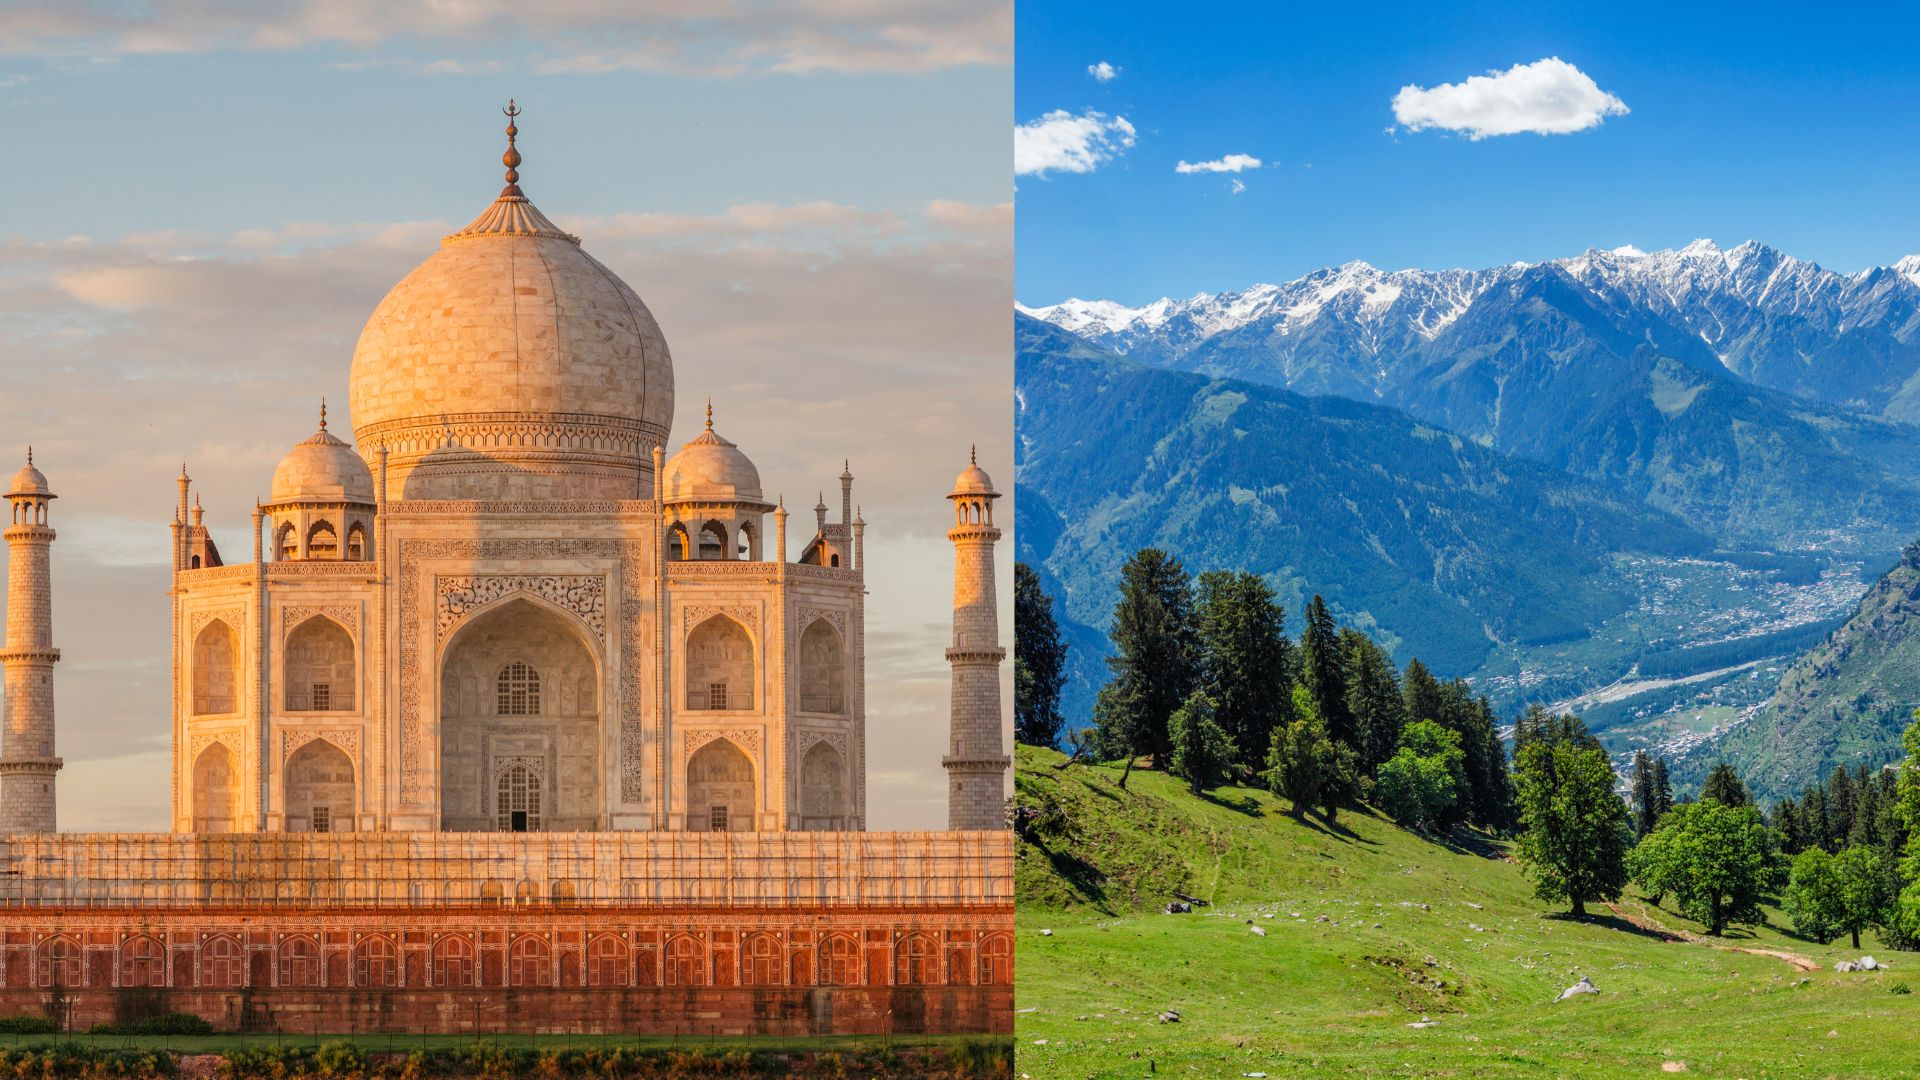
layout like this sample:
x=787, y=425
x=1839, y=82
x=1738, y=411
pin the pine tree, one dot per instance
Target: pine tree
x=1154, y=661
x=1201, y=750
x=1300, y=756
x=1246, y=662
x=1422, y=692
x=1662, y=789
x=1643, y=798
x=1039, y=661
x=1724, y=787
x=1373, y=700
x=1576, y=832
x=1324, y=671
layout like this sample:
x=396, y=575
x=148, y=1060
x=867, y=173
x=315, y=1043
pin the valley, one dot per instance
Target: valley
x=1639, y=485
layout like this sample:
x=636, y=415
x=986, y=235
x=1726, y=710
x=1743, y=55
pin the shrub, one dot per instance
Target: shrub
x=23, y=1024
x=172, y=1023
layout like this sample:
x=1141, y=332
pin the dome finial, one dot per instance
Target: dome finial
x=973, y=453
x=323, y=414
x=511, y=159
x=709, y=413
x=29, y=454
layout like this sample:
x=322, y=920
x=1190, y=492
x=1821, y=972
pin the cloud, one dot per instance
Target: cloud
x=1237, y=187
x=1063, y=142
x=216, y=348
x=719, y=38
x=1103, y=71
x=1546, y=97
x=1232, y=163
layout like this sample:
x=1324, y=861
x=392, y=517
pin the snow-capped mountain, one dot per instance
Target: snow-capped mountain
x=1772, y=319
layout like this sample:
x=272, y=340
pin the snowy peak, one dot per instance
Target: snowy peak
x=1714, y=292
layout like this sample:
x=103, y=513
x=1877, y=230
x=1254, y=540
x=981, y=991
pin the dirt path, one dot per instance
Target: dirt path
x=1653, y=926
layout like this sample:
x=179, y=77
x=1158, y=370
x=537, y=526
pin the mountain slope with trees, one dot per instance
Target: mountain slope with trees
x=1441, y=545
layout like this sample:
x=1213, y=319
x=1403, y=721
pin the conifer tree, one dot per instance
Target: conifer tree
x=1154, y=657
x=1643, y=799
x=1324, y=671
x=1039, y=662
x=1724, y=787
x=1301, y=755
x=1373, y=700
x=1201, y=750
x=1662, y=789
x=1246, y=660
x=1422, y=692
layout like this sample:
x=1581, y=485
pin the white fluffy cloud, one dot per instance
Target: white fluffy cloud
x=1063, y=142
x=1229, y=164
x=1546, y=97
x=718, y=38
x=1103, y=71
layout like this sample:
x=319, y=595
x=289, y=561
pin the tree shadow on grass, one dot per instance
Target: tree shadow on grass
x=1332, y=828
x=1245, y=804
x=1083, y=876
x=1609, y=921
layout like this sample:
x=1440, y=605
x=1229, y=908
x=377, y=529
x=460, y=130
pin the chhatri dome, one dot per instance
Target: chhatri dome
x=709, y=469
x=29, y=480
x=322, y=468
x=510, y=365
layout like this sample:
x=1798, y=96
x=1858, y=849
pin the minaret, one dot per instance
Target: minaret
x=977, y=762
x=27, y=764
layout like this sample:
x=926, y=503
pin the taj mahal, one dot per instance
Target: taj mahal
x=509, y=647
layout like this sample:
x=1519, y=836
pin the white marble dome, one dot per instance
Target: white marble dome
x=511, y=364
x=973, y=480
x=709, y=469
x=322, y=469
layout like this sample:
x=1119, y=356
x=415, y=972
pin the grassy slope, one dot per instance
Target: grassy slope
x=1315, y=998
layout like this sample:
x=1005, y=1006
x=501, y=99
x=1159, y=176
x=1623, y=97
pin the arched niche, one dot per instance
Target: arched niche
x=823, y=669
x=216, y=670
x=319, y=785
x=720, y=789
x=215, y=787
x=520, y=688
x=823, y=788
x=720, y=666
x=321, y=673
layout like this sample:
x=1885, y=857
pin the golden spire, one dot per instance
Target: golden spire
x=709, y=413
x=511, y=159
x=323, y=414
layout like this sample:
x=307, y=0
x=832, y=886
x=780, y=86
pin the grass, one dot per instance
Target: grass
x=1370, y=929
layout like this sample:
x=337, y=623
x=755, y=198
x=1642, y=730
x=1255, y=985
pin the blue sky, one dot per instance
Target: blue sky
x=206, y=201
x=1790, y=125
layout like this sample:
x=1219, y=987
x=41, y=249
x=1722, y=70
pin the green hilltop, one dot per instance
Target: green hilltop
x=1370, y=930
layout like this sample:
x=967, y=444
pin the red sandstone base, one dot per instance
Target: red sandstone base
x=516, y=969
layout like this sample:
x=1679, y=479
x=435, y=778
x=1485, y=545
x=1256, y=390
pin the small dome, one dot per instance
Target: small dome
x=30, y=481
x=711, y=469
x=973, y=480
x=322, y=469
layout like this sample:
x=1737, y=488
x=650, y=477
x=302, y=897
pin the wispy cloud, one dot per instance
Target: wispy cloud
x=719, y=38
x=1063, y=142
x=1232, y=163
x=1103, y=71
x=1546, y=97
x=1237, y=186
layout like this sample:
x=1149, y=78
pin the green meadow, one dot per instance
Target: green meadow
x=1389, y=953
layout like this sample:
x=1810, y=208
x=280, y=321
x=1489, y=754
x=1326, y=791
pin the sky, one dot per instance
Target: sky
x=207, y=201
x=1380, y=134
